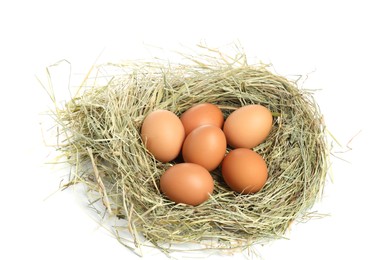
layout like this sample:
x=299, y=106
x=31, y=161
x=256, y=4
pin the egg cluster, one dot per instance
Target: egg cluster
x=201, y=136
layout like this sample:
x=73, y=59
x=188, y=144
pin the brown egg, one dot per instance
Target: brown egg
x=202, y=114
x=163, y=135
x=244, y=171
x=206, y=146
x=248, y=126
x=187, y=183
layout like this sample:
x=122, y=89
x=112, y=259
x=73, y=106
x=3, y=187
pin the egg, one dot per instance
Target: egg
x=202, y=114
x=163, y=134
x=206, y=146
x=187, y=183
x=244, y=171
x=248, y=126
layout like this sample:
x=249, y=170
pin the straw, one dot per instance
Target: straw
x=100, y=127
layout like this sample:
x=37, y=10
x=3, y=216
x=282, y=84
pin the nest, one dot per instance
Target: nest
x=101, y=129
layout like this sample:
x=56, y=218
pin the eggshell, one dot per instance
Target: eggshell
x=163, y=135
x=248, y=126
x=206, y=146
x=187, y=183
x=202, y=114
x=244, y=171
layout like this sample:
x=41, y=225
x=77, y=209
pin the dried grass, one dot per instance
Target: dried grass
x=100, y=128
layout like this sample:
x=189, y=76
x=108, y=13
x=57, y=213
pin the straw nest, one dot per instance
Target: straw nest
x=101, y=130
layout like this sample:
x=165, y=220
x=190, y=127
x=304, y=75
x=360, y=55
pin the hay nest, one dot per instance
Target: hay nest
x=101, y=126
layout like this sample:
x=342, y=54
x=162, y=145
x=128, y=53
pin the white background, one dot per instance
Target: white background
x=344, y=46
